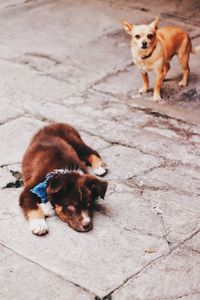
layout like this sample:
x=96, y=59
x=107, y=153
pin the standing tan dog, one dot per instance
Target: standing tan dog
x=152, y=50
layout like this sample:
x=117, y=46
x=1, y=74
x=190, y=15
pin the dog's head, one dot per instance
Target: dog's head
x=73, y=196
x=143, y=36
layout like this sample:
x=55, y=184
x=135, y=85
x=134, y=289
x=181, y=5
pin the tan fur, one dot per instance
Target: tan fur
x=154, y=54
x=95, y=161
x=59, y=212
x=35, y=214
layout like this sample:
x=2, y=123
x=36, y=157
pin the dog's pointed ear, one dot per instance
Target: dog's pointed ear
x=54, y=185
x=127, y=26
x=154, y=24
x=97, y=186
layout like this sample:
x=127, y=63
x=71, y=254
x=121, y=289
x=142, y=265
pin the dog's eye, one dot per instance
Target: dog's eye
x=71, y=208
x=149, y=36
x=137, y=36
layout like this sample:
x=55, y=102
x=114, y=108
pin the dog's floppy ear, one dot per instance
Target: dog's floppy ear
x=54, y=185
x=97, y=186
x=127, y=26
x=154, y=24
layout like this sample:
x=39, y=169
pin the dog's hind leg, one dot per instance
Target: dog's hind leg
x=97, y=166
x=184, y=61
x=90, y=157
x=33, y=212
x=166, y=69
x=184, y=55
x=84, y=152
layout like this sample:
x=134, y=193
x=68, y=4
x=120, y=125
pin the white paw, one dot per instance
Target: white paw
x=100, y=171
x=142, y=90
x=182, y=83
x=47, y=209
x=38, y=226
x=157, y=98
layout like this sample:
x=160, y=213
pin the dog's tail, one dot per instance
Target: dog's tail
x=195, y=50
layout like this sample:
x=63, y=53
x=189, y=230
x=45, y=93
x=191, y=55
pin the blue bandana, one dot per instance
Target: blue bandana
x=40, y=189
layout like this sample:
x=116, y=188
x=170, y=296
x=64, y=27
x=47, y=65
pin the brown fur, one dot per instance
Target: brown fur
x=59, y=146
x=152, y=50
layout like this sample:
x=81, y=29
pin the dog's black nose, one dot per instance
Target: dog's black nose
x=144, y=44
x=88, y=226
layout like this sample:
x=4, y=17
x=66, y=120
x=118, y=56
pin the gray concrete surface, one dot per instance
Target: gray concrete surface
x=70, y=61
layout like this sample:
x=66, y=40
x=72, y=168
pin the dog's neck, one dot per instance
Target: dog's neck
x=40, y=189
x=149, y=54
x=64, y=171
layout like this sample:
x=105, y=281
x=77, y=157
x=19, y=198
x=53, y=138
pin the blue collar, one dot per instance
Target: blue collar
x=40, y=189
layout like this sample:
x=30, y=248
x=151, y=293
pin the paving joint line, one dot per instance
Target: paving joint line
x=12, y=119
x=153, y=262
x=48, y=270
x=115, y=143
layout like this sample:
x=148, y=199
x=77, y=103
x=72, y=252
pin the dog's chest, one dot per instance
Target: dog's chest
x=143, y=64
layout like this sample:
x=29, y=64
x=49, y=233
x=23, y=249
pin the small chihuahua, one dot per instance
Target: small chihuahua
x=152, y=50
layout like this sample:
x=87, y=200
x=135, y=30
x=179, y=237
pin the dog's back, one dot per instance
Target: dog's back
x=172, y=39
x=48, y=150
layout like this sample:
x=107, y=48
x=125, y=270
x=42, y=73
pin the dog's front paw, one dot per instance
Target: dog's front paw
x=157, y=98
x=143, y=90
x=182, y=83
x=38, y=226
x=47, y=209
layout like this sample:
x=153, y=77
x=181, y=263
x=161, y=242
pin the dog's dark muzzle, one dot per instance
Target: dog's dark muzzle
x=144, y=45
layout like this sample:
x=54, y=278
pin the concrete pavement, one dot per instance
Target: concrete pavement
x=70, y=61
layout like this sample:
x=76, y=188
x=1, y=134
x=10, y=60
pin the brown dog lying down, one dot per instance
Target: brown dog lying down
x=55, y=174
x=153, y=48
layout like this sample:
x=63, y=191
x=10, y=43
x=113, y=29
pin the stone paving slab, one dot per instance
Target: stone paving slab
x=5, y=177
x=55, y=112
x=179, y=212
x=37, y=85
x=89, y=267
x=11, y=210
x=94, y=141
x=15, y=137
x=180, y=178
x=170, y=278
x=170, y=149
x=194, y=243
x=125, y=162
x=29, y=280
x=8, y=113
x=137, y=214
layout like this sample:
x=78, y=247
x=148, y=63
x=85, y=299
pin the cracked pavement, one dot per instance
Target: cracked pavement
x=70, y=61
